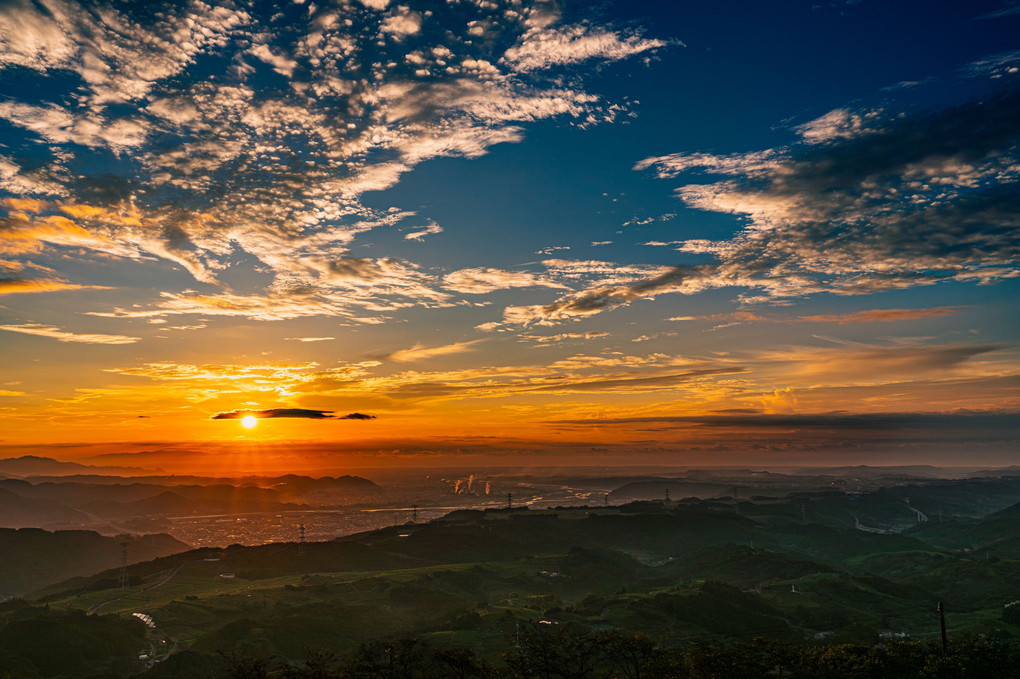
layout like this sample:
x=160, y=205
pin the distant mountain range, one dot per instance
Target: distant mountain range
x=31, y=465
x=96, y=501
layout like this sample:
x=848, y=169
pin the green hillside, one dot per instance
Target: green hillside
x=679, y=573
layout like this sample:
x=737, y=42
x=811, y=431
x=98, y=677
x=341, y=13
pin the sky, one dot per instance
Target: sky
x=510, y=232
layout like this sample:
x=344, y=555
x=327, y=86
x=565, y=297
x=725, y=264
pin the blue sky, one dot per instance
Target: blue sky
x=503, y=219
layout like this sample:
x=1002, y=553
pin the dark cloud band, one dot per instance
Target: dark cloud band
x=302, y=413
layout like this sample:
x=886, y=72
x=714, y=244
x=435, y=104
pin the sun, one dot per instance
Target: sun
x=249, y=421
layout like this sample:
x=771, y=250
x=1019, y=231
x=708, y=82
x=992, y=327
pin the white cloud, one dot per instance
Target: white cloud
x=543, y=46
x=481, y=280
x=280, y=63
x=402, y=22
x=839, y=123
x=735, y=164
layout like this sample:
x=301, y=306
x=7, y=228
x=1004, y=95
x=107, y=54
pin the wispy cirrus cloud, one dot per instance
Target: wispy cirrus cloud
x=995, y=424
x=564, y=337
x=881, y=315
x=601, y=297
x=420, y=352
x=12, y=286
x=843, y=362
x=865, y=316
x=56, y=333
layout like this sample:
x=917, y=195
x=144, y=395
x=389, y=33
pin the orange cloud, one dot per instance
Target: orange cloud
x=11, y=286
x=80, y=211
x=64, y=336
x=420, y=352
x=24, y=204
x=881, y=315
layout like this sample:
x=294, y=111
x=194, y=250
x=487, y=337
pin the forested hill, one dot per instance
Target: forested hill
x=817, y=569
x=33, y=558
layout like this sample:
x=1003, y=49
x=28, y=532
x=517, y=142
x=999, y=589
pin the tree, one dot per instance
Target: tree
x=563, y=653
x=460, y=663
x=395, y=659
x=318, y=665
x=246, y=667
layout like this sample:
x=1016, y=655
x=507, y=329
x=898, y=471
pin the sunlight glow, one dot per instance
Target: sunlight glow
x=249, y=421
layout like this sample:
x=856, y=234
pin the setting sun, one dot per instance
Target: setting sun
x=249, y=421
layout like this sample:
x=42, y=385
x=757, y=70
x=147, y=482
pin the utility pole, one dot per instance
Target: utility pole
x=942, y=623
x=414, y=513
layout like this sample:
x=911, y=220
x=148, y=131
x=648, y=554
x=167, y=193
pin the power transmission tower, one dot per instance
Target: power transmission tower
x=414, y=513
x=301, y=538
x=122, y=579
x=509, y=500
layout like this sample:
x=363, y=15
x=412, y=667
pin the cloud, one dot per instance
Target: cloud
x=838, y=124
x=999, y=13
x=642, y=383
x=965, y=423
x=599, y=298
x=280, y=63
x=779, y=401
x=564, y=337
x=881, y=315
x=375, y=381
x=731, y=317
x=220, y=135
x=402, y=22
x=866, y=316
x=420, y=352
x=10, y=286
x=544, y=47
x=873, y=200
x=304, y=413
x=64, y=336
x=482, y=280
x=856, y=363
x=754, y=163
x=427, y=231
x=310, y=339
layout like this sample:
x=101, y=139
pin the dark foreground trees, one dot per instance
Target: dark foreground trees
x=577, y=653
